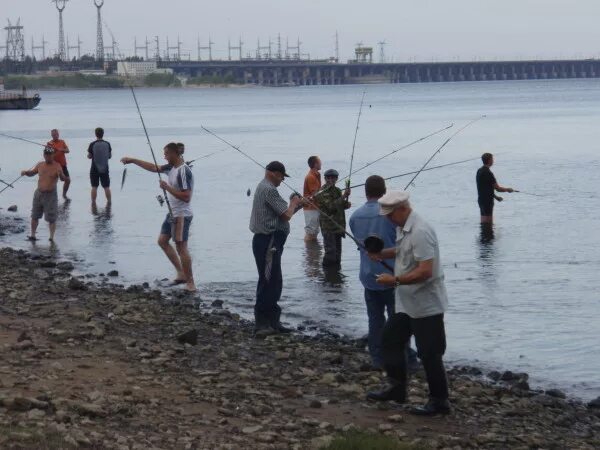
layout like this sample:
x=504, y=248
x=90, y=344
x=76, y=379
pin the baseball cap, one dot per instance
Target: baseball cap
x=48, y=150
x=331, y=173
x=276, y=166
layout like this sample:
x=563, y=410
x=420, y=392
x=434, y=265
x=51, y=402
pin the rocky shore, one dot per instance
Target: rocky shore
x=97, y=365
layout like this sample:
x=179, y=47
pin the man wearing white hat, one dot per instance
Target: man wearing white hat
x=421, y=301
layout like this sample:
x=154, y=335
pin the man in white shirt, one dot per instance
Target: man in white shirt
x=421, y=301
x=179, y=187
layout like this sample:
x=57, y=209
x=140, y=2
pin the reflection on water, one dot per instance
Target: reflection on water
x=486, y=254
x=103, y=227
x=312, y=259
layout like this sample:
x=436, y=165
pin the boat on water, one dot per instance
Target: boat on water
x=18, y=99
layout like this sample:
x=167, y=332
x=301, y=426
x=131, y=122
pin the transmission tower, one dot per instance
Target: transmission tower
x=382, y=44
x=15, y=41
x=41, y=47
x=259, y=49
x=297, y=55
x=157, y=46
x=99, y=38
x=137, y=47
x=206, y=47
x=177, y=49
x=60, y=6
x=237, y=47
x=337, y=47
x=112, y=49
x=74, y=47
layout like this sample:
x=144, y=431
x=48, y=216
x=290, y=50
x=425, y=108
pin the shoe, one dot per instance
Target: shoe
x=395, y=393
x=432, y=408
x=283, y=329
x=261, y=333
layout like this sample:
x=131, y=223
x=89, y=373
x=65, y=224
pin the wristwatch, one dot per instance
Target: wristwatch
x=397, y=283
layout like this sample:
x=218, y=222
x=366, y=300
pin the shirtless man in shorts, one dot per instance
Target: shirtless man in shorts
x=45, y=198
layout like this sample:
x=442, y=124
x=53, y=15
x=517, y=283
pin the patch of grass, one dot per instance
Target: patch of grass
x=361, y=440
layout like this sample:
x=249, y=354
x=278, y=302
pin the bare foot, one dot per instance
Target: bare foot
x=191, y=287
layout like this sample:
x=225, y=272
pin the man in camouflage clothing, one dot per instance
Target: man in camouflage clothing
x=333, y=203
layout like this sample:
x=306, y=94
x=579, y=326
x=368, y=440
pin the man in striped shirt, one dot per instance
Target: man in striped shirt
x=269, y=221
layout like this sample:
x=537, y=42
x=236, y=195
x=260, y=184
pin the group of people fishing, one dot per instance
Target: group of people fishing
x=400, y=267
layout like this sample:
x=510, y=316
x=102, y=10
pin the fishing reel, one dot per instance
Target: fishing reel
x=161, y=200
x=292, y=196
x=374, y=244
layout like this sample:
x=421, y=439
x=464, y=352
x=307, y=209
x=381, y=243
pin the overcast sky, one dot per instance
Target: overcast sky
x=422, y=29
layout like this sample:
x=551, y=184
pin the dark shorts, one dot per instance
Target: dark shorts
x=99, y=178
x=45, y=204
x=66, y=171
x=178, y=229
x=486, y=207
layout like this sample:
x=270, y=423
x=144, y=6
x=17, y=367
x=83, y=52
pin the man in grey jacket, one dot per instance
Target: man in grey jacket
x=100, y=152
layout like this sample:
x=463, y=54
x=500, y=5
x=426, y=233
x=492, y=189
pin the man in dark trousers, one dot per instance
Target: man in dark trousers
x=269, y=221
x=421, y=301
x=486, y=187
x=100, y=152
x=333, y=203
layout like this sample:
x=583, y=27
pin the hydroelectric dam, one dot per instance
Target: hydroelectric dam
x=301, y=73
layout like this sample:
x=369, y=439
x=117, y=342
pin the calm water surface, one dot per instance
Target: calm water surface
x=525, y=300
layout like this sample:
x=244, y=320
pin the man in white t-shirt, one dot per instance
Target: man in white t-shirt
x=421, y=301
x=179, y=188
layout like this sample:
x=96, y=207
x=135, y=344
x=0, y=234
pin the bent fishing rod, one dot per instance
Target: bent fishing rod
x=295, y=193
x=406, y=174
x=440, y=148
x=362, y=102
x=17, y=138
x=404, y=147
x=137, y=105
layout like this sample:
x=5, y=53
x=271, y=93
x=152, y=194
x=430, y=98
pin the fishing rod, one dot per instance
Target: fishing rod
x=529, y=193
x=440, y=148
x=137, y=105
x=404, y=147
x=425, y=170
x=362, y=102
x=295, y=193
x=10, y=185
x=189, y=163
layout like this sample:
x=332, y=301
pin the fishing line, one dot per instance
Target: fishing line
x=189, y=163
x=295, y=192
x=398, y=150
x=362, y=102
x=440, y=149
x=137, y=105
x=425, y=170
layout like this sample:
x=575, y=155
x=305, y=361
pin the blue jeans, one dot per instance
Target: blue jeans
x=267, y=249
x=377, y=303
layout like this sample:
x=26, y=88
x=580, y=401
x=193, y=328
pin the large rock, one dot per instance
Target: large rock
x=594, y=404
x=189, y=337
x=12, y=208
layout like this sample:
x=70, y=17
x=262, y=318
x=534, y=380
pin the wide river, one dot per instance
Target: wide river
x=526, y=300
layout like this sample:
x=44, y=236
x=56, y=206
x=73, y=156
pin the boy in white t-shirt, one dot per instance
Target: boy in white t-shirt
x=179, y=188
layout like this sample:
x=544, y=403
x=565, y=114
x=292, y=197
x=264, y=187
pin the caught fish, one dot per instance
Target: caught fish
x=123, y=177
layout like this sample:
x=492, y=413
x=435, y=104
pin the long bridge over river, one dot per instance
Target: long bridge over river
x=300, y=73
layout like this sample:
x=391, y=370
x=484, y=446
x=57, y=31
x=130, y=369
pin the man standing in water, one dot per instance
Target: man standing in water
x=269, y=221
x=486, y=187
x=100, y=152
x=421, y=301
x=60, y=150
x=333, y=203
x=45, y=199
x=312, y=184
x=179, y=187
